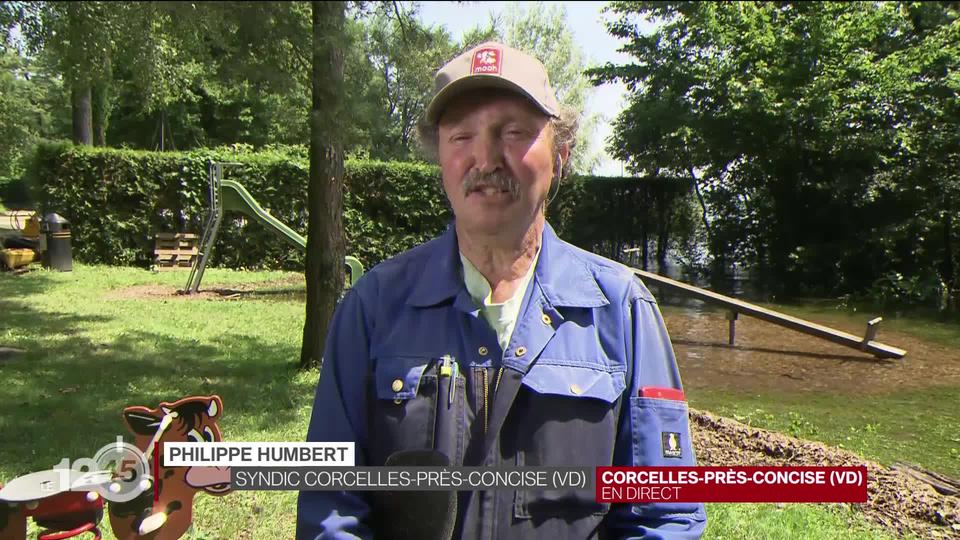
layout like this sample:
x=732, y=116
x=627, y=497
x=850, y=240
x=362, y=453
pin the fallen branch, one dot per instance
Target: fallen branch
x=943, y=484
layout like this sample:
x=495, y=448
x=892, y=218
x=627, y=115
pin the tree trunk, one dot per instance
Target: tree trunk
x=703, y=204
x=949, y=272
x=645, y=226
x=82, y=113
x=941, y=483
x=100, y=97
x=663, y=231
x=325, y=242
x=99, y=115
x=168, y=131
x=716, y=252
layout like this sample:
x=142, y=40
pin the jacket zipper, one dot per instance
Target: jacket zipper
x=486, y=401
x=486, y=396
x=486, y=426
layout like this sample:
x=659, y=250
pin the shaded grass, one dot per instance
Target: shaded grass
x=88, y=357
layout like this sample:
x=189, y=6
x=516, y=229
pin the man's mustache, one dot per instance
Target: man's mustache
x=498, y=179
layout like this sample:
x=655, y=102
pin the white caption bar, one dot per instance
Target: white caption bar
x=258, y=454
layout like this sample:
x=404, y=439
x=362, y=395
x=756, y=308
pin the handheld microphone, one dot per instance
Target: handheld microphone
x=420, y=515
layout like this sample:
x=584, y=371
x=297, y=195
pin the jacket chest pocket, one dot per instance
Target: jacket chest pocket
x=567, y=416
x=410, y=408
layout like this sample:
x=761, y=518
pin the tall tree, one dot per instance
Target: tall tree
x=389, y=76
x=32, y=99
x=80, y=37
x=325, y=243
x=220, y=72
x=810, y=128
x=22, y=116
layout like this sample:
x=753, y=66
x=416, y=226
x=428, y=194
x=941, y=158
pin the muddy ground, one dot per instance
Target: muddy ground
x=768, y=358
x=290, y=286
x=896, y=501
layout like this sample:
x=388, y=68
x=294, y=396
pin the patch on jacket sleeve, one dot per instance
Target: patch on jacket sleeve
x=670, y=443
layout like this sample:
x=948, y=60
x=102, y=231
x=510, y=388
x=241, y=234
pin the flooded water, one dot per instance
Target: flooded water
x=767, y=357
x=737, y=284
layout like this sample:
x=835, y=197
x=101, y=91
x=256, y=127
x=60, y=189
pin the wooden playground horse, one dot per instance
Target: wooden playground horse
x=164, y=511
x=192, y=419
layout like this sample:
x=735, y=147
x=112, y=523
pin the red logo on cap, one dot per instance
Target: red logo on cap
x=486, y=62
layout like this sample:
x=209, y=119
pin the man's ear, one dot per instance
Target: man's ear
x=565, y=155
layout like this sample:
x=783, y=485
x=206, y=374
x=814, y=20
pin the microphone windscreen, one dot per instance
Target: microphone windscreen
x=410, y=515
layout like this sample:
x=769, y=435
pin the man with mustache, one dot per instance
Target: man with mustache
x=498, y=344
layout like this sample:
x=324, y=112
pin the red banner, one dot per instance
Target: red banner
x=731, y=484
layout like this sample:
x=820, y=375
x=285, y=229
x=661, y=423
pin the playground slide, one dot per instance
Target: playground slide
x=237, y=198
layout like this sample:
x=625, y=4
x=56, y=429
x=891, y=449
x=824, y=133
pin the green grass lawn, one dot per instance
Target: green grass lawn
x=88, y=355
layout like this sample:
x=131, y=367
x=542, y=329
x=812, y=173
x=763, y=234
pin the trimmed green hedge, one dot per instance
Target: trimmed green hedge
x=117, y=199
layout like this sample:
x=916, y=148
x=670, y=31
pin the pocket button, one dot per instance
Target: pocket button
x=397, y=385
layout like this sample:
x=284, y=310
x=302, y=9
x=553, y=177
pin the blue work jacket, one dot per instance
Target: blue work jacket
x=565, y=392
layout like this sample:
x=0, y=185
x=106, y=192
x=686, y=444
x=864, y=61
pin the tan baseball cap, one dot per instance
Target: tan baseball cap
x=493, y=65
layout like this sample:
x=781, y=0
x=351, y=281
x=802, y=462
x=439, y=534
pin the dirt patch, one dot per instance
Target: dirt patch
x=768, y=358
x=896, y=501
x=292, y=285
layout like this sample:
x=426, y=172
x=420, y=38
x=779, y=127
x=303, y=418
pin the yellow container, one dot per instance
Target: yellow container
x=15, y=258
x=32, y=227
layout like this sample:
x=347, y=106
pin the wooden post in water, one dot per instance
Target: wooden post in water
x=866, y=343
x=732, y=317
x=872, y=326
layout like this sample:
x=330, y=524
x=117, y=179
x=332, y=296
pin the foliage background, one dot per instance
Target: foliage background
x=822, y=136
x=117, y=200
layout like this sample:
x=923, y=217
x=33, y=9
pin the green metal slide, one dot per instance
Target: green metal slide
x=237, y=198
